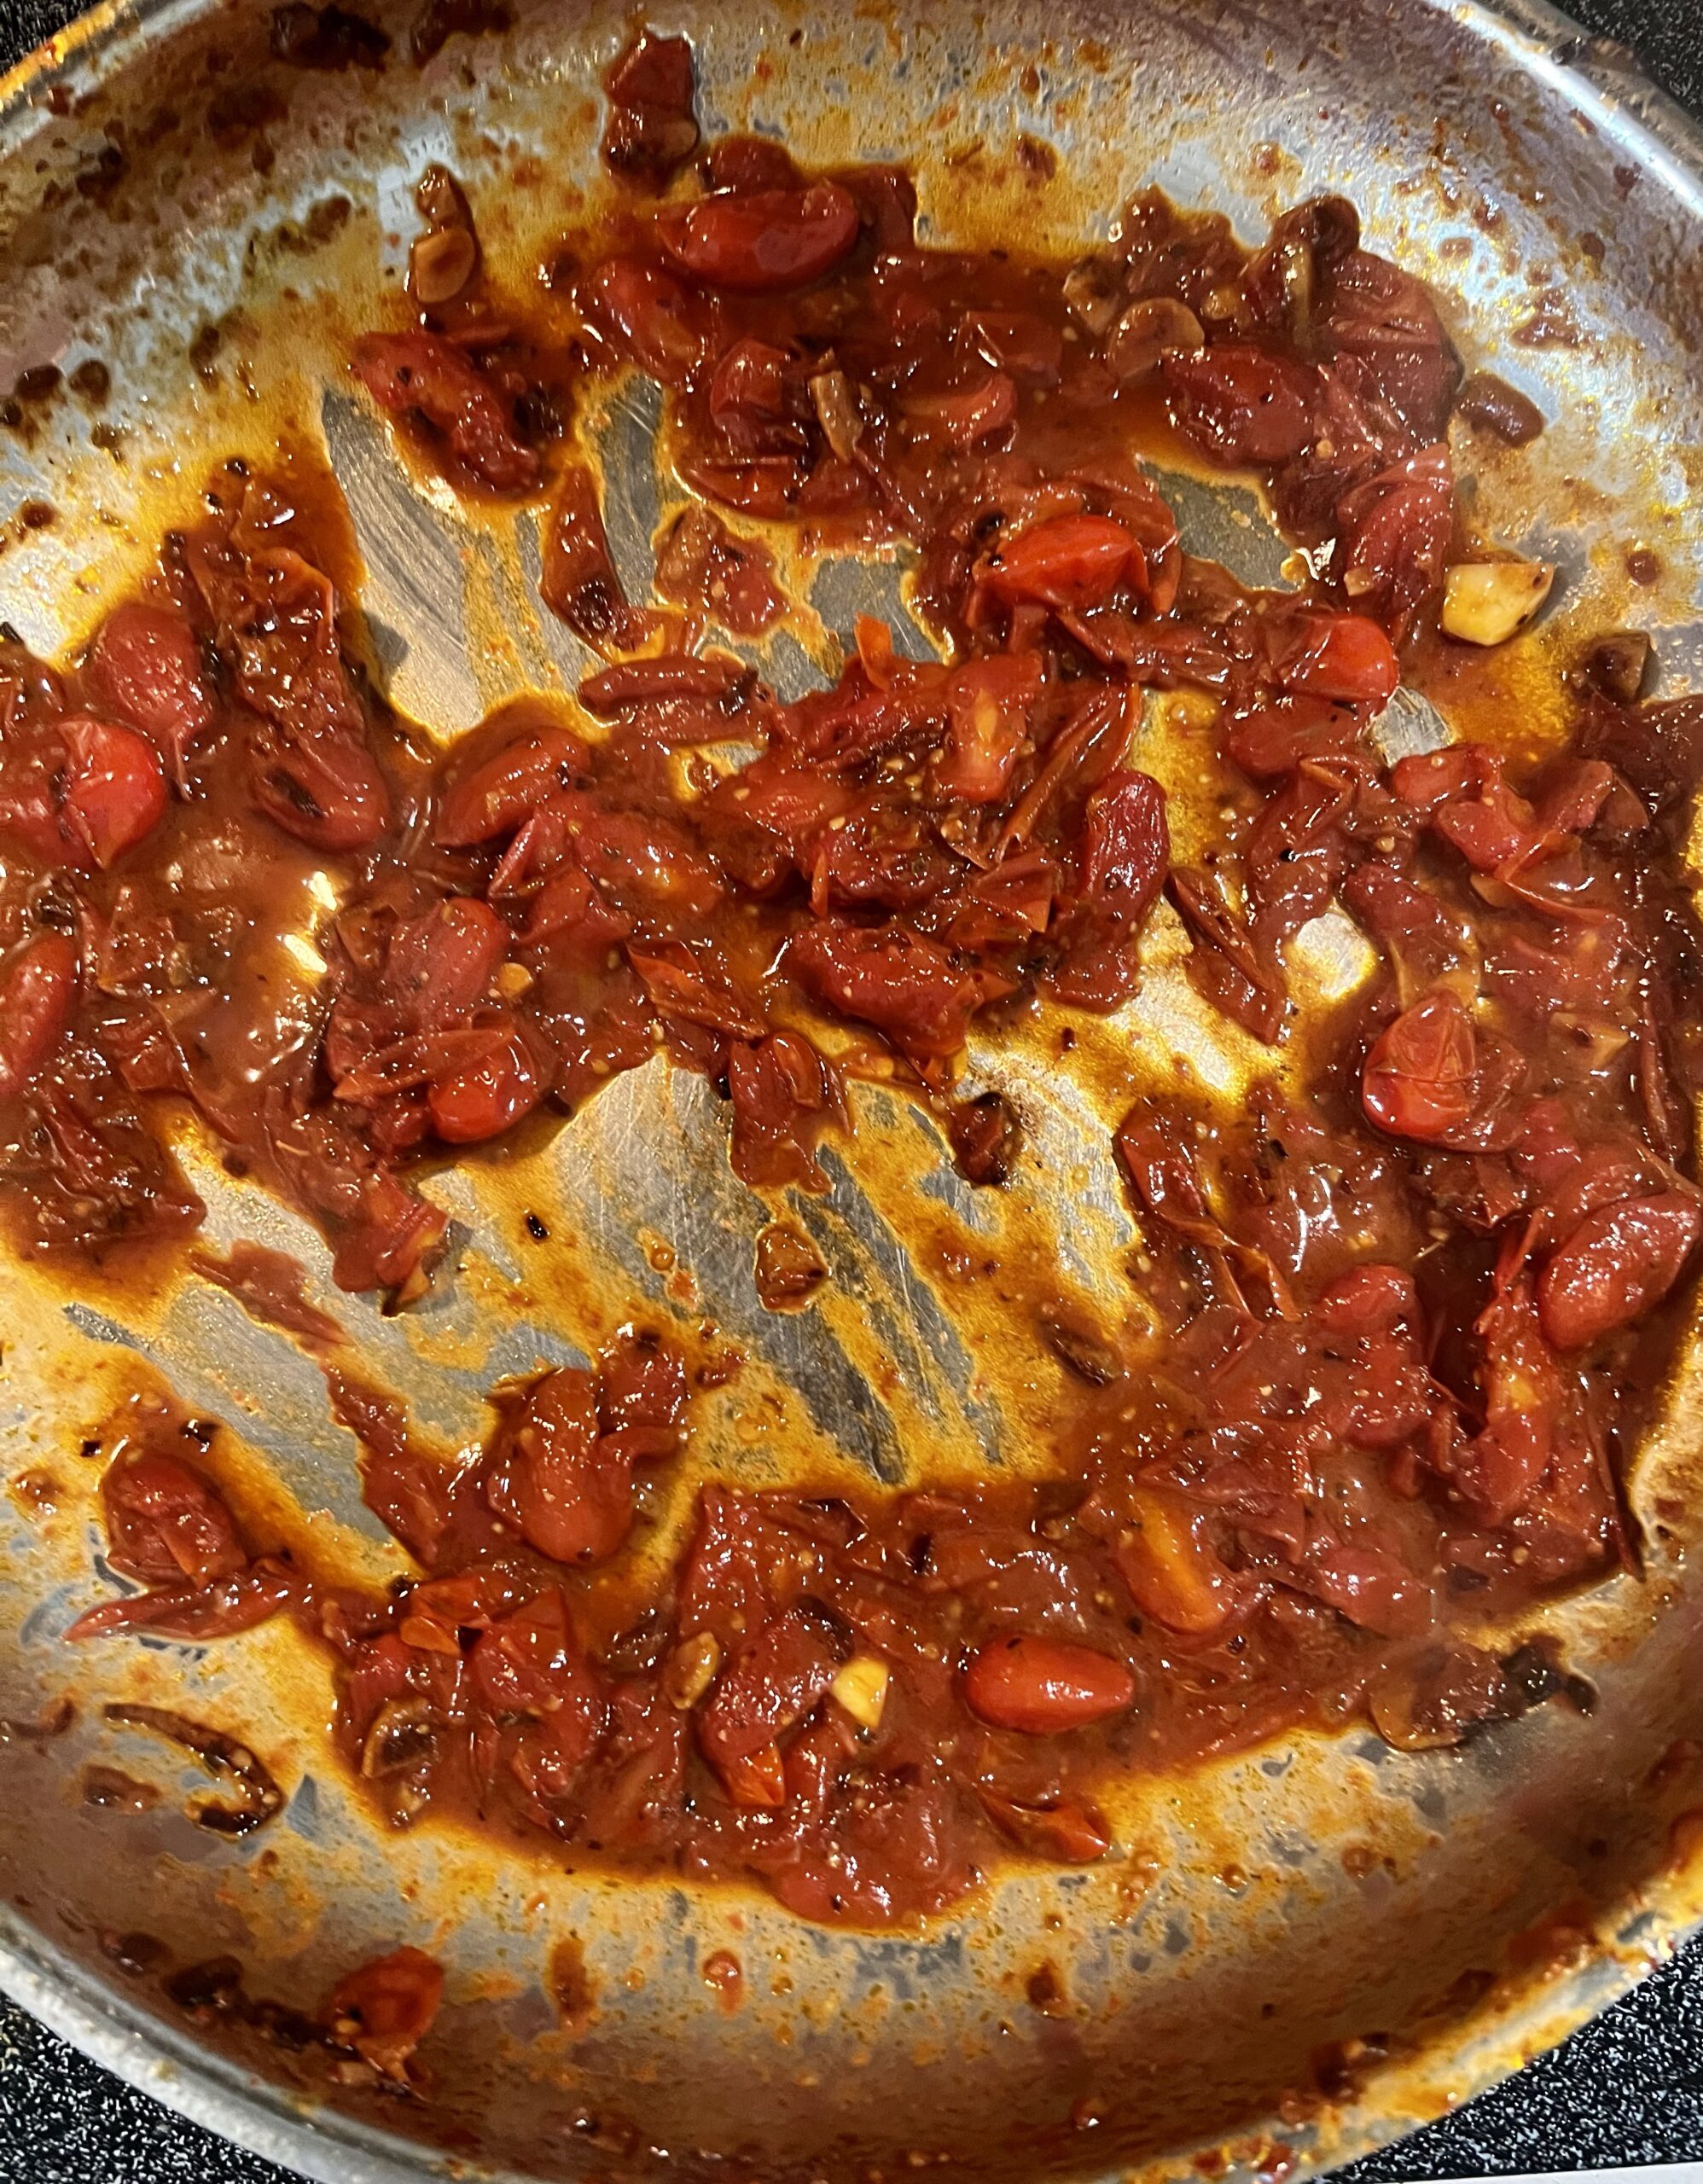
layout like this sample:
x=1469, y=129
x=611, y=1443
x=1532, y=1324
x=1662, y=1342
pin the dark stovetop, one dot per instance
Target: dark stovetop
x=1628, y=2088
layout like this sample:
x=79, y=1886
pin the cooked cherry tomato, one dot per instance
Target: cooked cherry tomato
x=1422, y=1074
x=1240, y=403
x=38, y=1000
x=326, y=790
x=441, y=964
x=770, y=239
x=770, y=1685
x=1619, y=1263
x=165, y=1525
x=565, y=1482
x=892, y=978
x=423, y=374
x=490, y=1091
x=386, y=2008
x=1073, y=561
x=648, y=319
x=988, y=705
x=114, y=787
x=1043, y=1686
x=505, y=789
x=146, y=666
x=1345, y=657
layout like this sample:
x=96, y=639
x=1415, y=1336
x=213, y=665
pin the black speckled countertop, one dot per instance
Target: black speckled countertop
x=1627, y=2089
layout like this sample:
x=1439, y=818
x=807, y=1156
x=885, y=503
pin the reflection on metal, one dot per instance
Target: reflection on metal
x=1449, y=1911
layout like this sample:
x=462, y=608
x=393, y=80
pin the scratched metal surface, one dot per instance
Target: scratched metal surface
x=1190, y=2000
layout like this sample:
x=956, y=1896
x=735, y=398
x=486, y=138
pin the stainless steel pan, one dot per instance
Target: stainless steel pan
x=1304, y=1950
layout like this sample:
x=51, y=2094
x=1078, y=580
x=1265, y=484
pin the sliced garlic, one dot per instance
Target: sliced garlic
x=1148, y=331
x=861, y=1689
x=691, y=1669
x=1484, y=602
x=440, y=264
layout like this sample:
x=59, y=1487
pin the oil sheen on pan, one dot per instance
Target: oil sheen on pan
x=1258, y=1008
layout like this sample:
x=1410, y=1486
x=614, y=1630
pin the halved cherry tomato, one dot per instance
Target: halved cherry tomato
x=566, y=1483
x=1042, y=1685
x=988, y=705
x=489, y=1092
x=1421, y=1072
x=772, y=239
x=37, y=999
x=1346, y=657
x=649, y=320
x=1073, y=561
x=441, y=966
x=115, y=788
x=1618, y=1262
x=165, y=1525
x=507, y=787
x=146, y=666
x=1240, y=403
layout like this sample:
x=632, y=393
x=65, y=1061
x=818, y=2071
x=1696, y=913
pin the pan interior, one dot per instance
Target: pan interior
x=1299, y=1949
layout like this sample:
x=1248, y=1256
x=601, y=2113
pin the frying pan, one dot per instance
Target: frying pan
x=1294, y=1952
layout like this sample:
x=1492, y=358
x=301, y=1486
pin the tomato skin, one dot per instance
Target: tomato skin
x=1041, y=1685
x=1420, y=1075
x=1240, y=404
x=490, y=1093
x=37, y=1000
x=1344, y=657
x=964, y=415
x=1069, y=561
x=772, y=239
x=146, y=666
x=1620, y=1261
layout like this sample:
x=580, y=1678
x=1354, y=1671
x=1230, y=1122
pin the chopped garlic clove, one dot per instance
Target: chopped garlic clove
x=861, y=1689
x=691, y=1669
x=1484, y=602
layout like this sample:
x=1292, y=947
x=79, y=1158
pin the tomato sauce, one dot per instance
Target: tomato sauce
x=1396, y=1312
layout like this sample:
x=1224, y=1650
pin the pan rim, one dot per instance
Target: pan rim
x=1604, y=82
